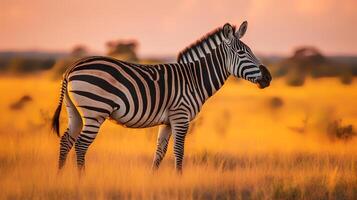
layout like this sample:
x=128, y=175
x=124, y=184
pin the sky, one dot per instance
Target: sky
x=164, y=27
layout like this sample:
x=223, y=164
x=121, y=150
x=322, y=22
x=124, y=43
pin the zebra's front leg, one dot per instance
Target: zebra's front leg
x=179, y=126
x=162, y=142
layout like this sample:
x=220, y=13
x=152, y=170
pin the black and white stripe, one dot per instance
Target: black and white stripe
x=138, y=96
x=240, y=60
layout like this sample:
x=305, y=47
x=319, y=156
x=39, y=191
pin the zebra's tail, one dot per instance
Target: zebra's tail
x=55, y=119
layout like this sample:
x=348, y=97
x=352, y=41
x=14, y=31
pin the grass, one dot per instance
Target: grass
x=239, y=148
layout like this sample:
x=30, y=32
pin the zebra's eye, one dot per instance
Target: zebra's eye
x=241, y=52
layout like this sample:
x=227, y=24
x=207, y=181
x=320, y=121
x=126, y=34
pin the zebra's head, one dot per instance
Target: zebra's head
x=241, y=62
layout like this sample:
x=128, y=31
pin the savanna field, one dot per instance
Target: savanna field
x=278, y=143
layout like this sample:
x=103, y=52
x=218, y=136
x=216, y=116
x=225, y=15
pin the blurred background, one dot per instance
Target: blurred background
x=296, y=38
x=293, y=140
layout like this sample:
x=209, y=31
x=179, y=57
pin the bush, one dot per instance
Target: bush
x=18, y=105
x=336, y=130
x=295, y=81
x=346, y=78
x=276, y=102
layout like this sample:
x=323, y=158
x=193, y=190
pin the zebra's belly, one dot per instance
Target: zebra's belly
x=139, y=120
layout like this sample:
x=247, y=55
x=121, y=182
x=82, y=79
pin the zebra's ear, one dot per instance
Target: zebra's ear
x=228, y=31
x=242, y=29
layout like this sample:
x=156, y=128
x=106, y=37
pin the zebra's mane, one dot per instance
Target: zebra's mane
x=200, y=42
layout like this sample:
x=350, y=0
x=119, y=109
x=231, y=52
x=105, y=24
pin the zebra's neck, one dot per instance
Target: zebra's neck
x=202, y=47
x=206, y=59
x=209, y=72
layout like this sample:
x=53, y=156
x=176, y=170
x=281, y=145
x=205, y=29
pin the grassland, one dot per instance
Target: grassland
x=243, y=145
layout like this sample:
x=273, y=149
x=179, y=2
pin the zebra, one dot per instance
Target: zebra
x=137, y=96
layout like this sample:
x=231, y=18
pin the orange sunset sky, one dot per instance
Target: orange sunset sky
x=165, y=27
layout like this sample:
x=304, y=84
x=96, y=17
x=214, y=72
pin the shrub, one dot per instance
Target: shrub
x=346, y=78
x=336, y=130
x=21, y=102
x=276, y=102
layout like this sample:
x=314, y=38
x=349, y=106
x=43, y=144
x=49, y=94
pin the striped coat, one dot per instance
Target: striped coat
x=138, y=96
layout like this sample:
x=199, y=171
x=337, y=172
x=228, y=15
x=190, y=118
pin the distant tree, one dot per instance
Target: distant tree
x=307, y=58
x=62, y=64
x=310, y=54
x=79, y=51
x=28, y=65
x=309, y=61
x=304, y=61
x=123, y=50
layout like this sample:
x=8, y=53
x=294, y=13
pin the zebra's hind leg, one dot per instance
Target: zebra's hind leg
x=65, y=146
x=87, y=136
x=71, y=133
x=162, y=142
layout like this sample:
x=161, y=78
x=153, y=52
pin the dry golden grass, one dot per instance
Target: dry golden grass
x=240, y=147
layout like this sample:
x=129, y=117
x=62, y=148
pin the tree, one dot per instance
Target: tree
x=61, y=65
x=123, y=50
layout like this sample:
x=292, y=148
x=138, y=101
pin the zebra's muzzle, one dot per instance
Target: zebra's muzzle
x=264, y=81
